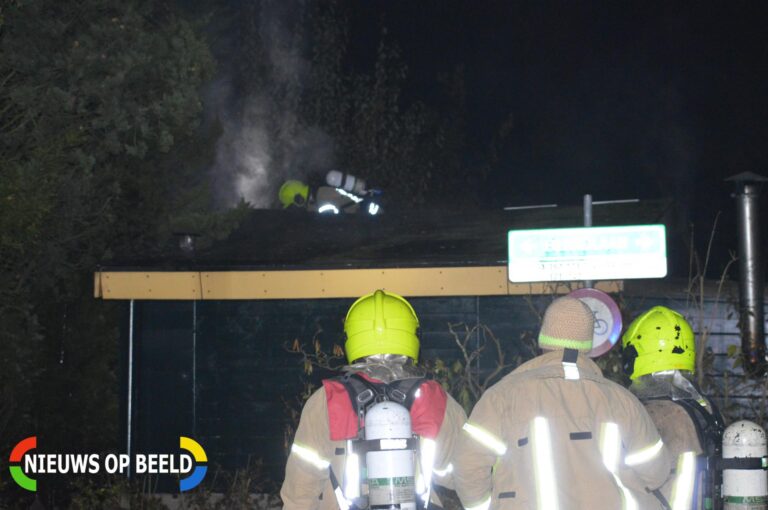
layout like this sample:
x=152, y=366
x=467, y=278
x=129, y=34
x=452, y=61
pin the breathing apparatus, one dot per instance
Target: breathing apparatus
x=381, y=462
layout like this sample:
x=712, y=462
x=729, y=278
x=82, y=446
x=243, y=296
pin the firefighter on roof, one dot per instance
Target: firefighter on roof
x=659, y=352
x=339, y=193
x=382, y=433
x=556, y=435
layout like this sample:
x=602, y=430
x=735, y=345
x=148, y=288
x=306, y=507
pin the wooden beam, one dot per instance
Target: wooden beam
x=161, y=285
x=318, y=284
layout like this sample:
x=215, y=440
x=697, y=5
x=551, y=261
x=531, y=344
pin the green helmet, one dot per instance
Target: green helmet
x=659, y=339
x=293, y=192
x=381, y=323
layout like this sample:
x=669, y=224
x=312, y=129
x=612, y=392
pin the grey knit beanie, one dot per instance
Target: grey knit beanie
x=568, y=323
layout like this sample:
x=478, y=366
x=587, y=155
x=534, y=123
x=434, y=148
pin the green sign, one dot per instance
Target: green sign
x=587, y=253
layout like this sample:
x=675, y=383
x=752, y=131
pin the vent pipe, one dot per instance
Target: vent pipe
x=751, y=283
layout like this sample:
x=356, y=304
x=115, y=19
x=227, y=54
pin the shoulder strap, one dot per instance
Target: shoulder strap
x=709, y=426
x=407, y=388
x=662, y=500
x=363, y=393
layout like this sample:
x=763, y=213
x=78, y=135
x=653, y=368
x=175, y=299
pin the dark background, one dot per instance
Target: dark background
x=616, y=99
x=125, y=121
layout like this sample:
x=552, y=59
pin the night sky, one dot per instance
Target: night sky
x=616, y=99
x=603, y=90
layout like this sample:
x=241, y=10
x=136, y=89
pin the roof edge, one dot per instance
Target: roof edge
x=322, y=284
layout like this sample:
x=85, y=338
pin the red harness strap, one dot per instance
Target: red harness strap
x=342, y=420
x=427, y=411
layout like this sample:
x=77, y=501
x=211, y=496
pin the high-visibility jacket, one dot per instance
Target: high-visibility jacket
x=556, y=435
x=328, y=421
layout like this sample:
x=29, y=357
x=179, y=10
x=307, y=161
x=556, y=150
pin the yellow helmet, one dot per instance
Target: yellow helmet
x=659, y=339
x=381, y=323
x=293, y=192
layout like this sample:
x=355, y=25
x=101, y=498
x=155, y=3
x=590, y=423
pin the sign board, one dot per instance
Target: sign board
x=587, y=253
x=607, y=319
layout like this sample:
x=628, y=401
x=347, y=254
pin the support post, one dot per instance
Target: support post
x=129, y=406
x=588, y=223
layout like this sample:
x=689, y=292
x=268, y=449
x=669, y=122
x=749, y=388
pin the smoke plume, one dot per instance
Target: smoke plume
x=256, y=101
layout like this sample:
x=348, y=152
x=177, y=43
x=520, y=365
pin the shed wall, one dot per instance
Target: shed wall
x=221, y=371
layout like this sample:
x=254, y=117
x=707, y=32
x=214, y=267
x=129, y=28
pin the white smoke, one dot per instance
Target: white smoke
x=263, y=141
x=242, y=157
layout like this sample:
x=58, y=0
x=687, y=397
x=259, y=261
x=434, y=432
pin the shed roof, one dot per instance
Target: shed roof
x=294, y=239
x=277, y=254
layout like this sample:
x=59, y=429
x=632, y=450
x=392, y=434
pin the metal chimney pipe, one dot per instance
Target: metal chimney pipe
x=751, y=282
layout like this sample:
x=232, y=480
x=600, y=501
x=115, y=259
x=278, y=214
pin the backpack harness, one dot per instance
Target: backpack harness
x=363, y=394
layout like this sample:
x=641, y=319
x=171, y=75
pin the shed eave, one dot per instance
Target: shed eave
x=321, y=284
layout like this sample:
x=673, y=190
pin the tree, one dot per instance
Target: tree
x=418, y=154
x=99, y=104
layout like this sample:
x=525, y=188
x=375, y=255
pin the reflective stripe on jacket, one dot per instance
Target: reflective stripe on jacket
x=679, y=434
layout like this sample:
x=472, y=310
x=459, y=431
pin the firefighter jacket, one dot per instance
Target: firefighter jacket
x=556, y=435
x=692, y=430
x=335, y=201
x=688, y=485
x=319, y=452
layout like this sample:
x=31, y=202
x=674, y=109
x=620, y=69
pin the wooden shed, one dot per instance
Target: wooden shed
x=206, y=331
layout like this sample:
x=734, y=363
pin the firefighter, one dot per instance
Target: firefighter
x=338, y=193
x=555, y=434
x=659, y=353
x=333, y=462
